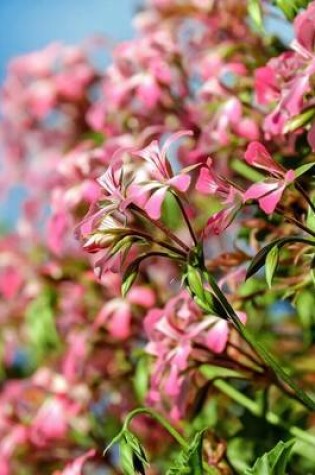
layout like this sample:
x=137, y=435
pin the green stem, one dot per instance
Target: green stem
x=305, y=196
x=160, y=419
x=255, y=409
x=161, y=226
x=259, y=349
x=186, y=219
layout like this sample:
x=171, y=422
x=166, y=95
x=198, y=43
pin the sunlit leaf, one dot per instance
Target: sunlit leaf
x=274, y=462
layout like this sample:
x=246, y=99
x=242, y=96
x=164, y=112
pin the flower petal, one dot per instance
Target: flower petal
x=153, y=206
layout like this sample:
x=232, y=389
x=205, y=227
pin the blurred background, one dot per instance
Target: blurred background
x=29, y=25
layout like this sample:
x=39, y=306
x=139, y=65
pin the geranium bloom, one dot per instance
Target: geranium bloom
x=269, y=192
x=117, y=314
x=163, y=178
x=172, y=333
x=209, y=183
x=288, y=78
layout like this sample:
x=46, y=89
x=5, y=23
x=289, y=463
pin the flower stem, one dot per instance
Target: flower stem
x=163, y=228
x=255, y=409
x=187, y=221
x=160, y=419
x=259, y=349
x=305, y=196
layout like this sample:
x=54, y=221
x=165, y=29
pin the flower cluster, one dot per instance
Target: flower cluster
x=156, y=192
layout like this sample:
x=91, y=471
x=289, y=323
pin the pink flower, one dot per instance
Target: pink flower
x=11, y=281
x=257, y=156
x=269, y=192
x=116, y=315
x=173, y=331
x=266, y=86
x=162, y=174
x=304, y=27
x=219, y=221
x=76, y=467
x=142, y=296
x=211, y=184
x=51, y=422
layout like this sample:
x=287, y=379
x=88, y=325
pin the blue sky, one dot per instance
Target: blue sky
x=28, y=25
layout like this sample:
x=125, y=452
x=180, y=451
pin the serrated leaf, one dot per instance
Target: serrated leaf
x=273, y=462
x=255, y=12
x=271, y=263
x=125, y=453
x=139, y=459
x=189, y=461
x=303, y=169
x=132, y=456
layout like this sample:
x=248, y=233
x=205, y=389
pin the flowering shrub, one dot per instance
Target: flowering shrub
x=158, y=290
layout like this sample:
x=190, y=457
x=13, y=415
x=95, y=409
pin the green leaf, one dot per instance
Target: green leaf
x=41, y=328
x=271, y=264
x=189, y=461
x=139, y=459
x=195, y=283
x=310, y=219
x=303, y=169
x=273, y=462
x=291, y=7
x=246, y=171
x=299, y=120
x=214, y=372
x=305, y=304
x=133, y=459
x=129, y=277
x=259, y=260
x=255, y=13
x=125, y=453
x=141, y=378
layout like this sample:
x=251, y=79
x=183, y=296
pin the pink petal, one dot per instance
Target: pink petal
x=257, y=156
x=217, y=336
x=206, y=182
x=266, y=85
x=248, y=129
x=149, y=93
x=119, y=325
x=257, y=190
x=173, y=383
x=76, y=467
x=153, y=206
x=180, y=182
x=173, y=138
x=269, y=202
x=143, y=296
